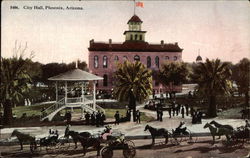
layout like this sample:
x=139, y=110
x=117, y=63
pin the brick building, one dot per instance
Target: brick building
x=103, y=57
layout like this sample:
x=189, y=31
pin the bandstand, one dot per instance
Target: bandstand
x=71, y=77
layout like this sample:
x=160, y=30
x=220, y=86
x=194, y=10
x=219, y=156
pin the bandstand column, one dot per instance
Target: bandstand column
x=94, y=98
x=66, y=93
x=56, y=91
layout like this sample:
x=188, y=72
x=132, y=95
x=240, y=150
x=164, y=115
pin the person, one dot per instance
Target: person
x=182, y=111
x=68, y=116
x=117, y=117
x=199, y=116
x=192, y=111
x=173, y=111
x=138, y=116
x=128, y=115
x=194, y=117
x=187, y=112
x=247, y=124
x=169, y=112
x=181, y=128
x=93, y=118
x=98, y=118
x=103, y=118
x=87, y=115
x=157, y=114
x=160, y=114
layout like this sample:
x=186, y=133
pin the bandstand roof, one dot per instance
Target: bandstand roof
x=75, y=75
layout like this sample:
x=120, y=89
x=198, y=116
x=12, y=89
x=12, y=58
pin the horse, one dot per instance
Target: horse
x=157, y=132
x=76, y=136
x=90, y=142
x=22, y=137
x=218, y=131
x=216, y=124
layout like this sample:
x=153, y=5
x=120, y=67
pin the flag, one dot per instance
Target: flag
x=139, y=4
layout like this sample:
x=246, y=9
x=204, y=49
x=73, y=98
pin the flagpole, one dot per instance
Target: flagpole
x=134, y=7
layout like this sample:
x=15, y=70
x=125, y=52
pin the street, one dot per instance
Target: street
x=202, y=148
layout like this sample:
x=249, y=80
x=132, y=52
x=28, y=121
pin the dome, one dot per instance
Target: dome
x=135, y=18
x=199, y=58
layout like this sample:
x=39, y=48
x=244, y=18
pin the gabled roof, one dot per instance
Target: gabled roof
x=199, y=58
x=135, y=18
x=75, y=75
x=134, y=46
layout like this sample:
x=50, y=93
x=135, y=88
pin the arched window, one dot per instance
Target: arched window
x=95, y=61
x=136, y=58
x=131, y=37
x=141, y=37
x=105, y=80
x=116, y=58
x=135, y=37
x=105, y=61
x=157, y=61
x=166, y=57
x=148, y=62
x=125, y=58
x=175, y=58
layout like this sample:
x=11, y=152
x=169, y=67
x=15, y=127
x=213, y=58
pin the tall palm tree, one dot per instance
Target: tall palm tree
x=133, y=83
x=14, y=84
x=212, y=78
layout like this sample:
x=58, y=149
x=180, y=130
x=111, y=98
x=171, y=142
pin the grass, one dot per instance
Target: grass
x=29, y=110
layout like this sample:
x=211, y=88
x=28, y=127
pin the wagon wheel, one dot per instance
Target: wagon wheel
x=63, y=145
x=176, y=140
x=191, y=138
x=51, y=148
x=107, y=152
x=129, y=143
x=129, y=152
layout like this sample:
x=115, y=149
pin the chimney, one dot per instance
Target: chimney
x=110, y=43
x=91, y=42
x=162, y=43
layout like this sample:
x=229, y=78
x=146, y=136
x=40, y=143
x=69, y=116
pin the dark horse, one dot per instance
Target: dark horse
x=76, y=136
x=90, y=142
x=157, y=132
x=22, y=137
x=216, y=124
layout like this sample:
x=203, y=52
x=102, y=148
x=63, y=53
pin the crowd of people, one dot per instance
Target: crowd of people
x=136, y=115
x=96, y=118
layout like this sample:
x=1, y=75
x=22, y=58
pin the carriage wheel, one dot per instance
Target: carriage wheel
x=129, y=152
x=129, y=143
x=107, y=152
x=176, y=140
x=191, y=138
x=63, y=145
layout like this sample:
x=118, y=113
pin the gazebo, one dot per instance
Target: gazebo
x=75, y=75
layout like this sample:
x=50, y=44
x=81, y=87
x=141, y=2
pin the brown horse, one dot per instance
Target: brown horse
x=76, y=136
x=22, y=137
x=157, y=132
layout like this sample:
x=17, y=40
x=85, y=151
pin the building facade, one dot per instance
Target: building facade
x=103, y=57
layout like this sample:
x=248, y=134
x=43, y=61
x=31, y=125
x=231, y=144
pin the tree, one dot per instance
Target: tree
x=15, y=83
x=212, y=78
x=243, y=78
x=173, y=74
x=133, y=83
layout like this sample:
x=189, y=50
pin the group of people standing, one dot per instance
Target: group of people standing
x=96, y=119
x=136, y=115
x=177, y=109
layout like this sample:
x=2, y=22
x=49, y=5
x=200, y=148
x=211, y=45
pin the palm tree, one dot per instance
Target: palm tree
x=14, y=84
x=243, y=78
x=173, y=74
x=133, y=83
x=212, y=78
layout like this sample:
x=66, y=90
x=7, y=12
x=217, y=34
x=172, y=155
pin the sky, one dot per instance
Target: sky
x=220, y=29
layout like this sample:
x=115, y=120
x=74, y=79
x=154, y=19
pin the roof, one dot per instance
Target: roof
x=199, y=58
x=75, y=75
x=135, y=18
x=134, y=46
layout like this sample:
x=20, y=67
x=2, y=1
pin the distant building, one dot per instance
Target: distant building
x=103, y=57
x=198, y=58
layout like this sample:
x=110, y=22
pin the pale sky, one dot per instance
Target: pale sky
x=220, y=29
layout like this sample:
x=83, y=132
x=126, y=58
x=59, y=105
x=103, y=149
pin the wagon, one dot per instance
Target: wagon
x=176, y=137
x=117, y=141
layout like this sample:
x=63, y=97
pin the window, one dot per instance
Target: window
x=95, y=61
x=141, y=37
x=157, y=61
x=105, y=61
x=136, y=58
x=131, y=37
x=148, y=62
x=175, y=58
x=116, y=58
x=135, y=37
x=166, y=57
x=105, y=80
x=125, y=58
